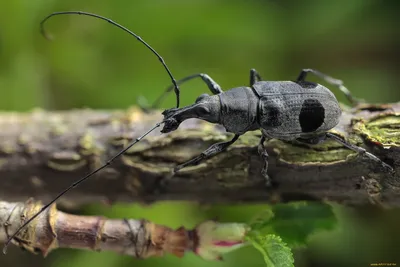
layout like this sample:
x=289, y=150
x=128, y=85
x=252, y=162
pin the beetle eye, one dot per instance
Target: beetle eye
x=201, y=97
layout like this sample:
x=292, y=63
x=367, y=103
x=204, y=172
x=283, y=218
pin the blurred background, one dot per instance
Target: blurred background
x=92, y=64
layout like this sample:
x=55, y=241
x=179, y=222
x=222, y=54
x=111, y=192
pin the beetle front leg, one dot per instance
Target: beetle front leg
x=254, y=77
x=335, y=82
x=209, y=152
x=262, y=151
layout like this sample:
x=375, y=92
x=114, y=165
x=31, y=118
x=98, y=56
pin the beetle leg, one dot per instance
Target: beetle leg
x=262, y=151
x=254, y=77
x=337, y=138
x=335, y=82
x=360, y=150
x=209, y=152
x=211, y=84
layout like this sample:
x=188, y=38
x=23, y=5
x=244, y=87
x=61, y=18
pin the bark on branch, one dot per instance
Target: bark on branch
x=137, y=238
x=42, y=152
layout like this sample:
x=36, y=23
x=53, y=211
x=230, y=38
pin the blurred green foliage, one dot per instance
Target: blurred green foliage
x=295, y=222
x=91, y=64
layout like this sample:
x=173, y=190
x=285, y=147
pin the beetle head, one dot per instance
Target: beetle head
x=206, y=108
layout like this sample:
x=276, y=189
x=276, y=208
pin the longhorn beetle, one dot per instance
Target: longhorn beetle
x=287, y=110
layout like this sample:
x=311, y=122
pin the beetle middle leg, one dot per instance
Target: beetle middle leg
x=209, y=152
x=330, y=80
x=214, y=88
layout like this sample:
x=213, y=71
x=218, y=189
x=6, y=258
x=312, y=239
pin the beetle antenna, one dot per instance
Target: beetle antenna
x=176, y=88
x=77, y=183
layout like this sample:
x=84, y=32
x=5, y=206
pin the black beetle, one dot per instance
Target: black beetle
x=287, y=110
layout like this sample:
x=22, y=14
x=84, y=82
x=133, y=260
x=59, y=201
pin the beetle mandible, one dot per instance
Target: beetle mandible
x=287, y=110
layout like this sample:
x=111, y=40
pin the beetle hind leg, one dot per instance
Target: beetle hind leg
x=335, y=82
x=361, y=151
x=386, y=167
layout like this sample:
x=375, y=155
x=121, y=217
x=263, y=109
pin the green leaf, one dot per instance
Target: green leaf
x=295, y=222
x=276, y=253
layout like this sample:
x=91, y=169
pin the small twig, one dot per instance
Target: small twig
x=139, y=238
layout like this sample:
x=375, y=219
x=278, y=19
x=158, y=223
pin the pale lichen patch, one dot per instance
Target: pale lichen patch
x=7, y=148
x=323, y=153
x=36, y=181
x=87, y=144
x=382, y=130
x=134, y=114
x=23, y=139
x=145, y=167
x=66, y=161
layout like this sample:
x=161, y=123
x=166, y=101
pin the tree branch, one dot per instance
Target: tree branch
x=138, y=238
x=41, y=153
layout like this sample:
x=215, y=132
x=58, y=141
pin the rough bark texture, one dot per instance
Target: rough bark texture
x=42, y=152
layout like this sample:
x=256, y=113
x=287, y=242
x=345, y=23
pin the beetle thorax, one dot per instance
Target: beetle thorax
x=239, y=110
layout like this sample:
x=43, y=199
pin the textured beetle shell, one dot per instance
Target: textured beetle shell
x=239, y=110
x=288, y=110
